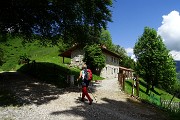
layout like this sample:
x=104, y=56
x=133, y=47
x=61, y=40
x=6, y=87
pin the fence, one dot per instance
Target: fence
x=173, y=106
x=135, y=83
x=168, y=104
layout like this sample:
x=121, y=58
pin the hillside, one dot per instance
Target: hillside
x=45, y=64
x=14, y=49
x=177, y=66
x=49, y=67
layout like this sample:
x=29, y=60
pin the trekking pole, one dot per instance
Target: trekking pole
x=93, y=95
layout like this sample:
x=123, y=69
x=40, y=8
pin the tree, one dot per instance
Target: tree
x=94, y=58
x=125, y=60
x=1, y=57
x=73, y=20
x=154, y=63
x=178, y=76
x=105, y=39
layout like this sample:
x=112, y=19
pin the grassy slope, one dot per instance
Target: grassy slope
x=153, y=97
x=49, y=65
x=142, y=89
x=13, y=49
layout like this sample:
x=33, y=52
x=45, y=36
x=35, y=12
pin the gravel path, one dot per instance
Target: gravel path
x=46, y=102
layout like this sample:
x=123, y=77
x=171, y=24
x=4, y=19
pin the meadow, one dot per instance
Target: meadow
x=45, y=65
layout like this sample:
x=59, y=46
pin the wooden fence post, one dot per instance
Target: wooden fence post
x=132, y=87
x=137, y=86
x=120, y=78
x=123, y=81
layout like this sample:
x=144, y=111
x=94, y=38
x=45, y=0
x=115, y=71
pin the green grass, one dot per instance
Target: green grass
x=153, y=97
x=49, y=66
x=142, y=91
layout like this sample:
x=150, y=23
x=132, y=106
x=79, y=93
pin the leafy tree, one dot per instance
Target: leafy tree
x=125, y=60
x=154, y=63
x=73, y=20
x=1, y=57
x=178, y=76
x=94, y=58
x=105, y=39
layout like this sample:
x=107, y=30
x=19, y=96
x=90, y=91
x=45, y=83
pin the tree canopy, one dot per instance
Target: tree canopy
x=105, y=39
x=94, y=58
x=1, y=57
x=154, y=63
x=72, y=20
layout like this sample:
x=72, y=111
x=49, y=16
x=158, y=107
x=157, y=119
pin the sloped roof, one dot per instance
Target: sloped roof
x=126, y=69
x=67, y=53
x=109, y=52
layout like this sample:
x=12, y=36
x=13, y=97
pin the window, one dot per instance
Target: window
x=111, y=59
x=106, y=59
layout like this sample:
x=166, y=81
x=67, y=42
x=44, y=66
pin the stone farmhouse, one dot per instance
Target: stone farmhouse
x=111, y=68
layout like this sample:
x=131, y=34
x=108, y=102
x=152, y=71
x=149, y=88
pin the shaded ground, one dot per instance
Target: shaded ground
x=43, y=101
x=27, y=90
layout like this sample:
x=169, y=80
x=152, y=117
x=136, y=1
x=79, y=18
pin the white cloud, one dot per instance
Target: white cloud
x=130, y=53
x=170, y=33
x=175, y=54
x=170, y=30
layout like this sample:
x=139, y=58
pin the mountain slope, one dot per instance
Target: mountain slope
x=177, y=66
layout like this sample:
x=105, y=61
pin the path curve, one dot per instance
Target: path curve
x=112, y=104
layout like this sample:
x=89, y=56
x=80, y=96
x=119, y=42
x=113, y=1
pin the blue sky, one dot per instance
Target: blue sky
x=131, y=16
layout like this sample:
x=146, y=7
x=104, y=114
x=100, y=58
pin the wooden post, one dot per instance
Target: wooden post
x=123, y=81
x=120, y=77
x=132, y=87
x=137, y=86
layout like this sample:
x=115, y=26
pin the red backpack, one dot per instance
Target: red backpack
x=89, y=74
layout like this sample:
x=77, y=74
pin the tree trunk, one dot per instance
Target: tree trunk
x=148, y=87
x=152, y=88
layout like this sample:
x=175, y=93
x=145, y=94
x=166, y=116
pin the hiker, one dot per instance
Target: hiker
x=85, y=83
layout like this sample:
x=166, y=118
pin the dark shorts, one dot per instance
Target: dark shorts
x=85, y=83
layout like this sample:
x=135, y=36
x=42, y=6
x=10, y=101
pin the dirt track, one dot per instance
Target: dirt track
x=41, y=101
